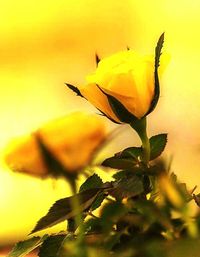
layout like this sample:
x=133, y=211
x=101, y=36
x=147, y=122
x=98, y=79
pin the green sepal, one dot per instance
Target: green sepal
x=158, y=49
x=197, y=199
x=118, y=108
x=157, y=145
x=103, y=114
x=54, y=167
x=74, y=89
x=78, y=93
x=156, y=78
x=97, y=59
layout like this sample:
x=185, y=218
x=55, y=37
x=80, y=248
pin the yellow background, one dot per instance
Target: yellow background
x=46, y=43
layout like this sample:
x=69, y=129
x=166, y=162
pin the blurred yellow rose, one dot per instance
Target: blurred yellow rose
x=72, y=140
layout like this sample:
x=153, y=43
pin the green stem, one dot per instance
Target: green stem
x=81, y=248
x=75, y=204
x=140, y=126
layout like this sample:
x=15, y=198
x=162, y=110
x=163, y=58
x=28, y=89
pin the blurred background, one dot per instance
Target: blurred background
x=46, y=43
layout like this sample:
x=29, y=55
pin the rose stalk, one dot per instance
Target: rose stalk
x=125, y=88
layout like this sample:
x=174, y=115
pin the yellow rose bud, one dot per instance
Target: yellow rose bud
x=72, y=141
x=126, y=76
x=125, y=86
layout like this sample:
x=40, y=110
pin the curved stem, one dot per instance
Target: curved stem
x=75, y=203
x=140, y=127
x=81, y=248
x=72, y=183
x=146, y=147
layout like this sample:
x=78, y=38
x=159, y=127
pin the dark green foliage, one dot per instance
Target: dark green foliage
x=121, y=174
x=111, y=214
x=51, y=246
x=126, y=159
x=98, y=201
x=62, y=209
x=133, y=156
x=131, y=152
x=157, y=145
x=118, y=163
x=24, y=247
x=131, y=221
x=93, y=181
x=93, y=225
x=127, y=187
